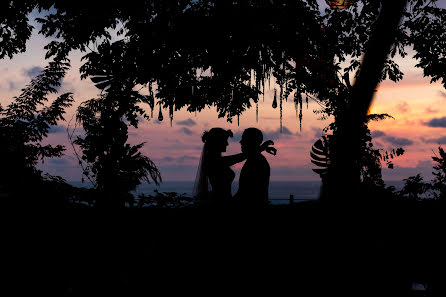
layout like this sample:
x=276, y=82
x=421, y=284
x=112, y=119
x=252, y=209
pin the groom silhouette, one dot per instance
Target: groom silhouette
x=254, y=177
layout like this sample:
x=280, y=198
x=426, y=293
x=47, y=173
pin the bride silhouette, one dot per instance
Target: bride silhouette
x=214, y=169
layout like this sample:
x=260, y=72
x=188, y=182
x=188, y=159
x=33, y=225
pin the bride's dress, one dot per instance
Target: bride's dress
x=214, y=180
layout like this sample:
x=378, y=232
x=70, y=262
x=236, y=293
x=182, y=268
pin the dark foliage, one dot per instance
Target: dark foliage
x=165, y=200
x=370, y=161
x=23, y=125
x=197, y=57
x=439, y=182
x=414, y=188
x=14, y=27
x=115, y=166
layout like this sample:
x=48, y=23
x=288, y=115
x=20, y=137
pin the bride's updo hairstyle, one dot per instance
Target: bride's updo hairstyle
x=215, y=135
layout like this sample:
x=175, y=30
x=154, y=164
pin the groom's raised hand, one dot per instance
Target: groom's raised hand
x=271, y=150
x=267, y=146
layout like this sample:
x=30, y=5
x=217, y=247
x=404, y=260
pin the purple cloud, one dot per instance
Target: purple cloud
x=398, y=141
x=398, y=173
x=12, y=86
x=33, y=71
x=57, y=129
x=58, y=161
x=187, y=131
x=436, y=122
x=378, y=133
x=189, y=123
x=267, y=135
x=439, y=140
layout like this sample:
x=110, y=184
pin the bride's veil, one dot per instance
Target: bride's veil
x=201, y=186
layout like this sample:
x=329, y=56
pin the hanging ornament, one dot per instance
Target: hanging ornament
x=286, y=89
x=250, y=78
x=238, y=120
x=192, y=91
x=152, y=100
x=296, y=108
x=160, y=115
x=257, y=112
x=297, y=99
x=281, y=99
x=171, y=114
x=275, y=99
x=300, y=114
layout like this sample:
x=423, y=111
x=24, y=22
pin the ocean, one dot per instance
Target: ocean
x=279, y=191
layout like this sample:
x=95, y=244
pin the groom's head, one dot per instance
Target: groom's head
x=251, y=140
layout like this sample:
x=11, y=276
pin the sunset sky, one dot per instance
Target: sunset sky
x=417, y=106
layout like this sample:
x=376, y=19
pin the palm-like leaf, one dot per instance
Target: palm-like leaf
x=320, y=156
x=102, y=82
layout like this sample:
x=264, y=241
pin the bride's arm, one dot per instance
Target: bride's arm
x=234, y=159
x=237, y=158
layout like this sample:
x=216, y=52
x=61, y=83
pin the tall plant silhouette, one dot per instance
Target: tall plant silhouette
x=439, y=181
x=116, y=166
x=24, y=124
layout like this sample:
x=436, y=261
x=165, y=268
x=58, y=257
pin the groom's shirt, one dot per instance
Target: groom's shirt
x=254, y=182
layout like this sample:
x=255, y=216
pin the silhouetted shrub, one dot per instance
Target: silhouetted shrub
x=439, y=182
x=165, y=200
x=414, y=188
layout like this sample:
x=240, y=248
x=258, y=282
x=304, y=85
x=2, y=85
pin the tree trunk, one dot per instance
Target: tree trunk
x=343, y=183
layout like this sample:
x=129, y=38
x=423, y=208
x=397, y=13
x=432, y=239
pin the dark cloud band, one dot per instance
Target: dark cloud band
x=437, y=123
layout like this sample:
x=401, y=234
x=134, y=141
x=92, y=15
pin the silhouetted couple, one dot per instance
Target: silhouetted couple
x=215, y=170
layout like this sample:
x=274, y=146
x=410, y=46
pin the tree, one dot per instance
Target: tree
x=115, y=166
x=439, y=182
x=23, y=125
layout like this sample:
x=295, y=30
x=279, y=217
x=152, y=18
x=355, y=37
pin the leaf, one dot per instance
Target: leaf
x=318, y=158
x=320, y=164
x=320, y=171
